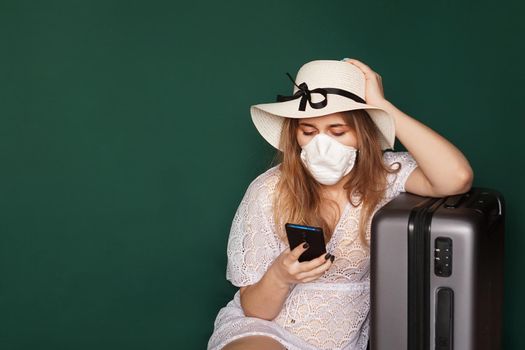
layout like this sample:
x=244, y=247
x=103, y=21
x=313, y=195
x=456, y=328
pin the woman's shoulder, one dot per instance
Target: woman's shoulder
x=401, y=157
x=403, y=163
x=271, y=174
x=264, y=184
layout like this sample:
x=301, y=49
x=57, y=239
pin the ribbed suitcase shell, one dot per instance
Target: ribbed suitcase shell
x=414, y=304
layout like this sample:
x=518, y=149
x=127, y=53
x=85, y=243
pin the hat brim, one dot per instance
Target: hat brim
x=268, y=117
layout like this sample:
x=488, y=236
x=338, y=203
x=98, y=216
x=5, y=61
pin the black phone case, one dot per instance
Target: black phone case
x=298, y=234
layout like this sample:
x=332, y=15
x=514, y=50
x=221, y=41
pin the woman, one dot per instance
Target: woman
x=334, y=173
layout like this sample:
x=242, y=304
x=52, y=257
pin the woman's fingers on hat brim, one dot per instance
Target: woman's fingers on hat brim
x=360, y=64
x=357, y=62
x=369, y=72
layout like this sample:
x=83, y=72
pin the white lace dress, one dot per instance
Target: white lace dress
x=331, y=312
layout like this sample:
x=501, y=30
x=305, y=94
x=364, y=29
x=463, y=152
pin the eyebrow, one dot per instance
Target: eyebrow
x=331, y=125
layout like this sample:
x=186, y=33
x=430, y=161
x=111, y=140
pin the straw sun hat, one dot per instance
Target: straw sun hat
x=321, y=87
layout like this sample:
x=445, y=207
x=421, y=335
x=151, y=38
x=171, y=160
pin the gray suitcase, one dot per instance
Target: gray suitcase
x=437, y=272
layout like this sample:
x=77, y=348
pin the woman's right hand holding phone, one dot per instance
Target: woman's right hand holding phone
x=265, y=298
x=287, y=269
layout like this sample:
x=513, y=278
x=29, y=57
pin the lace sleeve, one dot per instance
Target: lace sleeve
x=396, y=181
x=252, y=244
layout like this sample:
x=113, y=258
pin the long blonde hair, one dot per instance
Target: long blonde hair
x=298, y=197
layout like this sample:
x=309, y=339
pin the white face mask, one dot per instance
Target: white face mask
x=327, y=159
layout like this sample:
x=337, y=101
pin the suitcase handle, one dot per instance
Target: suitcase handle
x=482, y=201
x=455, y=201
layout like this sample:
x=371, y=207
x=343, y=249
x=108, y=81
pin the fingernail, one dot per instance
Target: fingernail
x=306, y=245
x=332, y=258
x=327, y=256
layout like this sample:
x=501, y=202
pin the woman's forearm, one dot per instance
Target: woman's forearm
x=445, y=167
x=265, y=298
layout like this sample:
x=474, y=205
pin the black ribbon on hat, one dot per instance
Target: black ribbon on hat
x=306, y=95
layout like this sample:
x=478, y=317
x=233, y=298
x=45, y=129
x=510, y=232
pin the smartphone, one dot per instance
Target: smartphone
x=298, y=234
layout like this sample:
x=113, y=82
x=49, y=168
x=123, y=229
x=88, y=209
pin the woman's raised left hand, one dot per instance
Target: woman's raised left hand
x=374, y=94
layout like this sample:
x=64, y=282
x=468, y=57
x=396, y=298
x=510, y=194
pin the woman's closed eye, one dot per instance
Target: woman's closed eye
x=333, y=133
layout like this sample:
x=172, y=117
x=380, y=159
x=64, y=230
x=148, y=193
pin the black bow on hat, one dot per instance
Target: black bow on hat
x=305, y=94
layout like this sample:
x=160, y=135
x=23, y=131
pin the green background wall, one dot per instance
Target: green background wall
x=126, y=145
